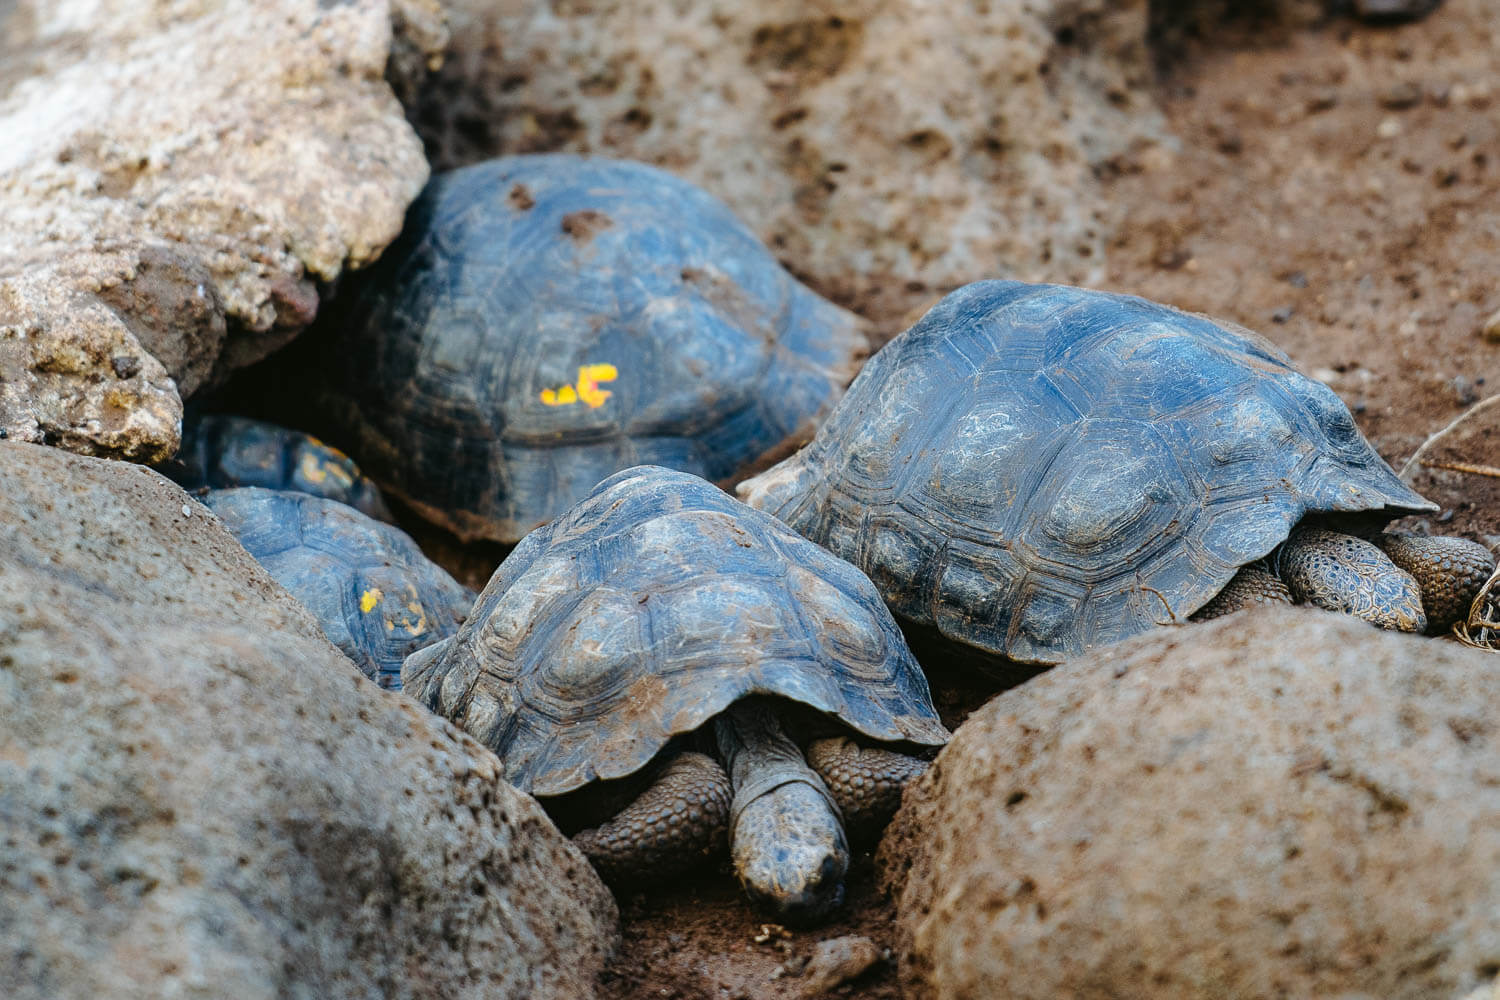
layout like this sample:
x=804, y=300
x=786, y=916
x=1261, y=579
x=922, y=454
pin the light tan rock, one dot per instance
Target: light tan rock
x=176, y=179
x=200, y=797
x=1280, y=803
x=836, y=961
x=885, y=149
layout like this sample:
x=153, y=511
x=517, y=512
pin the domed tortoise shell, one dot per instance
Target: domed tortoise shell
x=377, y=597
x=545, y=321
x=1036, y=470
x=647, y=609
x=220, y=451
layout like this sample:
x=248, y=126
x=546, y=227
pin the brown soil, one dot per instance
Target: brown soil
x=1338, y=190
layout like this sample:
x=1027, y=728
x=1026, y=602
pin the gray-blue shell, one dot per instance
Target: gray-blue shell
x=546, y=321
x=1037, y=470
x=377, y=597
x=647, y=609
x=222, y=452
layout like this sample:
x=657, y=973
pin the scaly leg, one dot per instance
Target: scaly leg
x=1344, y=573
x=866, y=782
x=1252, y=585
x=675, y=823
x=1449, y=570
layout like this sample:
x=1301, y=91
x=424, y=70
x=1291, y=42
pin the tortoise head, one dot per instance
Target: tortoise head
x=789, y=849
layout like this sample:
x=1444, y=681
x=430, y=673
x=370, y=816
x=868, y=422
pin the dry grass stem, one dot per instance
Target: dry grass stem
x=1416, y=458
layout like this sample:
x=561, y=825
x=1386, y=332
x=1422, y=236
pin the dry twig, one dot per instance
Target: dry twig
x=1416, y=458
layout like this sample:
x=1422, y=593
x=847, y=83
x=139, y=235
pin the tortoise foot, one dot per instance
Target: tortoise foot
x=866, y=782
x=1449, y=570
x=1348, y=574
x=674, y=824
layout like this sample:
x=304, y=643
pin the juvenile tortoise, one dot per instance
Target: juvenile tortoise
x=1035, y=470
x=375, y=594
x=220, y=451
x=657, y=616
x=547, y=320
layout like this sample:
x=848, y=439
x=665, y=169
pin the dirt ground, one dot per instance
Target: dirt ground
x=1338, y=190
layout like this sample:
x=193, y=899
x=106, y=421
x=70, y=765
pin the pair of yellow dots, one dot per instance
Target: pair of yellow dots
x=587, y=388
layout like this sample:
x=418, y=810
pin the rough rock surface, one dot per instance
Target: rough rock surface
x=200, y=797
x=884, y=149
x=1276, y=804
x=175, y=179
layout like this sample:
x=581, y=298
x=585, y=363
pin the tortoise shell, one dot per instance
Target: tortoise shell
x=1036, y=470
x=650, y=607
x=221, y=452
x=545, y=321
x=377, y=597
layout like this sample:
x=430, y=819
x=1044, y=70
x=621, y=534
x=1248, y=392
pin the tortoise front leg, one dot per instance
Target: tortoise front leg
x=1251, y=586
x=1344, y=573
x=866, y=782
x=675, y=823
x=1449, y=570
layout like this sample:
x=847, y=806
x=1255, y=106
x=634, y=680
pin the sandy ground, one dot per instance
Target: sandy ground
x=1338, y=190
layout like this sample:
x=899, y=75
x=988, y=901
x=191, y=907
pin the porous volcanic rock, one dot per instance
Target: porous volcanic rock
x=176, y=179
x=200, y=797
x=1281, y=803
x=884, y=150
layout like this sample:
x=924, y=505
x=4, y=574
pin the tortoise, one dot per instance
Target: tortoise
x=376, y=596
x=221, y=451
x=658, y=618
x=1036, y=470
x=546, y=320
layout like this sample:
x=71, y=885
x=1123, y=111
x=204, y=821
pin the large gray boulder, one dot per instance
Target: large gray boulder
x=200, y=797
x=1277, y=804
x=175, y=181
x=885, y=150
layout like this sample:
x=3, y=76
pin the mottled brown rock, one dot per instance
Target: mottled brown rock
x=176, y=180
x=200, y=797
x=836, y=961
x=1280, y=803
x=884, y=150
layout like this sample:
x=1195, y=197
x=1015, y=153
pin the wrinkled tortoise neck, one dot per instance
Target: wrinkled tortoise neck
x=786, y=835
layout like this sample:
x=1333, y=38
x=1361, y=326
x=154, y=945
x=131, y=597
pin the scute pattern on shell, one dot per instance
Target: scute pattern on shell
x=523, y=276
x=377, y=597
x=1039, y=469
x=645, y=610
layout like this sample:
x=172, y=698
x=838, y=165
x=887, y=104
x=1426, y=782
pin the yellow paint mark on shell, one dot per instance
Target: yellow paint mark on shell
x=587, y=389
x=369, y=599
x=315, y=468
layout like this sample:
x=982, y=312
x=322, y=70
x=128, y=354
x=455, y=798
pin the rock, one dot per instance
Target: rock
x=175, y=181
x=1491, y=329
x=884, y=150
x=1394, y=10
x=837, y=961
x=1283, y=803
x=200, y=797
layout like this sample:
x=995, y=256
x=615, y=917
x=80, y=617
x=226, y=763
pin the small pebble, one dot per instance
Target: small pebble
x=187, y=511
x=125, y=366
x=1464, y=390
x=1283, y=314
x=1394, y=10
x=1401, y=96
x=836, y=961
x=1297, y=279
x=1491, y=329
x=1388, y=129
x=1322, y=99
